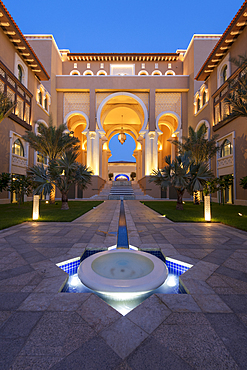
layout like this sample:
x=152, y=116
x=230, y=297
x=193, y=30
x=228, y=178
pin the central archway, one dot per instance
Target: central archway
x=122, y=112
x=122, y=175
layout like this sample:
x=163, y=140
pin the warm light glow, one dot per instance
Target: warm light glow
x=207, y=209
x=240, y=214
x=35, y=207
x=46, y=201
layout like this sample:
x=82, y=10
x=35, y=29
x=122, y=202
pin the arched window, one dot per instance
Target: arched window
x=101, y=73
x=75, y=73
x=224, y=74
x=88, y=73
x=40, y=97
x=46, y=103
x=20, y=73
x=143, y=73
x=156, y=73
x=41, y=158
x=170, y=73
x=17, y=148
x=198, y=104
x=226, y=148
x=204, y=98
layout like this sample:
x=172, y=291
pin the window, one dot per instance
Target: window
x=75, y=73
x=40, y=97
x=17, y=148
x=204, y=98
x=198, y=104
x=143, y=73
x=224, y=74
x=156, y=73
x=226, y=148
x=101, y=73
x=20, y=73
x=88, y=73
x=101, y=65
x=170, y=73
x=46, y=103
x=41, y=158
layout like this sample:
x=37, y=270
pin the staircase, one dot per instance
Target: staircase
x=139, y=194
x=121, y=190
x=124, y=189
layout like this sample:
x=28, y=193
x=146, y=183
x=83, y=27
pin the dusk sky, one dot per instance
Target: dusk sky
x=123, y=26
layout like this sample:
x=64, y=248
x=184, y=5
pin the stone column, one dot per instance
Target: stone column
x=151, y=152
x=93, y=151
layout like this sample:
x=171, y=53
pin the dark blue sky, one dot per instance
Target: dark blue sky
x=123, y=26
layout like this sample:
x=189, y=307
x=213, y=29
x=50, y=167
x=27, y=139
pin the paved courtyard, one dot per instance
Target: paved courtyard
x=41, y=328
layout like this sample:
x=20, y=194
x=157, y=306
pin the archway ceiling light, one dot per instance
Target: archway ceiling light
x=122, y=137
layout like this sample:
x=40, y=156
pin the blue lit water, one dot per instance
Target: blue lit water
x=126, y=304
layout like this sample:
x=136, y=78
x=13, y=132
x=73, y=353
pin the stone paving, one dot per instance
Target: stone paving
x=41, y=328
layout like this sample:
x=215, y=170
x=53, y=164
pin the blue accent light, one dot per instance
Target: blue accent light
x=121, y=174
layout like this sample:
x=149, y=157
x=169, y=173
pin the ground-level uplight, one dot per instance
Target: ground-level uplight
x=35, y=207
x=207, y=210
x=240, y=214
x=47, y=202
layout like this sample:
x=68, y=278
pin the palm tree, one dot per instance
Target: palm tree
x=51, y=142
x=174, y=174
x=197, y=147
x=62, y=172
x=6, y=106
x=183, y=175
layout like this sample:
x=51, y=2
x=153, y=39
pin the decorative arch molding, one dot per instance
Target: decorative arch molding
x=170, y=72
x=143, y=73
x=109, y=97
x=207, y=125
x=156, y=72
x=77, y=112
x=74, y=72
x=127, y=131
x=178, y=130
x=122, y=174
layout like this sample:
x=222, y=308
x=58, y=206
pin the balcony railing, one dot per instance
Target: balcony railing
x=221, y=109
x=19, y=94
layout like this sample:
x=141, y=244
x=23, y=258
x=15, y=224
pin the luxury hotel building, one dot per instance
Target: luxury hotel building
x=154, y=98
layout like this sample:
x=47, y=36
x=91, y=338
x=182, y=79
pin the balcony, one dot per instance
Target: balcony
x=19, y=94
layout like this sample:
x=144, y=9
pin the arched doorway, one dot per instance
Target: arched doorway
x=121, y=112
x=169, y=129
x=122, y=175
x=78, y=123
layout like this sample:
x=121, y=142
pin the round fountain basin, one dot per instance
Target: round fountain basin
x=123, y=271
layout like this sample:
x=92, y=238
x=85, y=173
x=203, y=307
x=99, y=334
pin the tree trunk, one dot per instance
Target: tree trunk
x=52, y=195
x=65, y=205
x=179, y=205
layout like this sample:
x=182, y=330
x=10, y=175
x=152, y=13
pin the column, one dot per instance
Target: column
x=151, y=152
x=93, y=151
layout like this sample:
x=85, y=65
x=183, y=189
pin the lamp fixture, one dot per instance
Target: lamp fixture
x=122, y=136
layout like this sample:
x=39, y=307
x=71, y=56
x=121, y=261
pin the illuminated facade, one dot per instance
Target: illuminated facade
x=154, y=98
